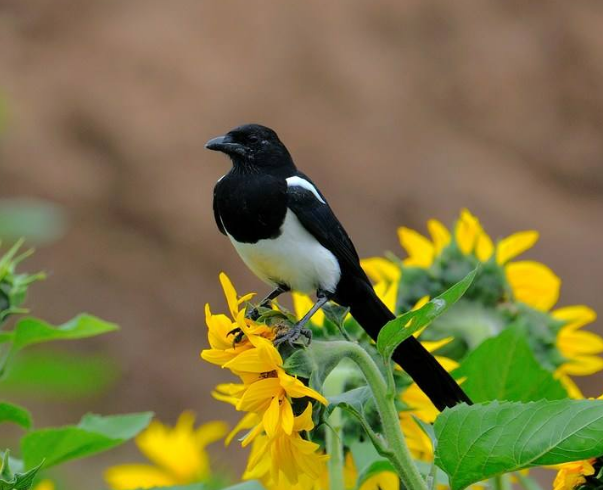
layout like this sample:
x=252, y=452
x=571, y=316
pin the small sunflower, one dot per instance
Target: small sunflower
x=280, y=452
x=178, y=455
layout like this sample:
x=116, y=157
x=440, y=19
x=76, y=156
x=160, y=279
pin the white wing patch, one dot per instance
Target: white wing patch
x=299, y=182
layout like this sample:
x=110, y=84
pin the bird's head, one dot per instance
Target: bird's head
x=252, y=146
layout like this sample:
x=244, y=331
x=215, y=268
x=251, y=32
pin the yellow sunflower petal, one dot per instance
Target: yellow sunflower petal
x=386, y=480
x=514, y=245
x=230, y=293
x=287, y=417
x=128, y=476
x=388, y=293
x=420, y=250
x=579, y=342
x=575, y=316
x=433, y=345
x=248, y=421
x=211, y=432
x=296, y=389
x=582, y=366
x=439, y=234
x=534, y=284
x=258, y=396
x=304, y=421
x=484, y=248
x=381, y=269
x=570, y=386
x=467, y=232
x=256, y=360
x=272, y=417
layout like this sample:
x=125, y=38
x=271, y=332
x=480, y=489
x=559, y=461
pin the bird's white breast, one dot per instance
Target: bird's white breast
x=295, y=258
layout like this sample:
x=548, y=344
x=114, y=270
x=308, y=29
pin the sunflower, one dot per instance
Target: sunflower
x=267, y=393
x=178, y=453
x=573, y=475
x=507, y=291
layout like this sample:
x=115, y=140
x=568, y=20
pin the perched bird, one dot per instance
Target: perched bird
x=286, y=233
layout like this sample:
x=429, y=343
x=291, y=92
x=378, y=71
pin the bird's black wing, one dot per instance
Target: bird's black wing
x=316, y=217
x=216, y=212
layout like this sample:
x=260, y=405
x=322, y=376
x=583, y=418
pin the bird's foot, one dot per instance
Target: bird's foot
x=291, y=334
x=238, y=336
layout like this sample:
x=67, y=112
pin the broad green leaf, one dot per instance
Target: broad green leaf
x=398, y=330
x=353, y=400
x=92, y=435
x=29, y=331
x=316, y=361
x=59, y=375
x=504, y=368
x=15, y=414
x=16, y=481
x=481, y=441
x=374, y=468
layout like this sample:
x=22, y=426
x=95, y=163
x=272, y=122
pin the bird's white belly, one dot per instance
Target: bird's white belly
x=295, y=259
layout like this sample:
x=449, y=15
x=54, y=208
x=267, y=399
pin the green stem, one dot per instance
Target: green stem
x=502, y=482
x=398, y=452
x=332, y=386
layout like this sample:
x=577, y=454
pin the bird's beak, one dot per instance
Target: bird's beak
x=225, y=144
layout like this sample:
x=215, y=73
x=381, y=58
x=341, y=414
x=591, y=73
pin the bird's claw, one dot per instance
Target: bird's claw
x=290, y=335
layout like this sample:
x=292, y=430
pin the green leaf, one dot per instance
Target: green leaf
x=481, y=441
x=505, y=368
x=15, y=414
x=29, y=331
x=376, y=467
x=398, y=330
x=316, y=361
x=352, y=400
x=92, y=435
x=52, y=374
x=18, y=481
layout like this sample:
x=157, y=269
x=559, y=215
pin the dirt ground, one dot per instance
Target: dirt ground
x=399, y=110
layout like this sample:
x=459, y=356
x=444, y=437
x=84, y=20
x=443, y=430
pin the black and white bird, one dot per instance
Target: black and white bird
x=286, y=233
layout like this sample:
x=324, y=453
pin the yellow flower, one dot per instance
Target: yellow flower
x=286, y=458
x=268, y=388
x=44, y=485
x=178, y=454
x=570, y=475
x=531, y=282
x=380, y=269
x=386, y=480
x=220, y=327
x=581, y=349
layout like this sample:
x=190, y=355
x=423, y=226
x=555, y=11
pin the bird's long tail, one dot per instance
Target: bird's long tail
x=423, y=368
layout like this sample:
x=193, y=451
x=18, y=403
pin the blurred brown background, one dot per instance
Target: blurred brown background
x=399, y=110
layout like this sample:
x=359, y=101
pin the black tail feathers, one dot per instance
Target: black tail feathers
x=370, y=312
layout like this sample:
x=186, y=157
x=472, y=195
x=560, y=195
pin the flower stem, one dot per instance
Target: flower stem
x=332, y=386
x=397, y=450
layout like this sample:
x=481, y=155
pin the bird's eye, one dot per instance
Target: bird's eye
x=253, y=139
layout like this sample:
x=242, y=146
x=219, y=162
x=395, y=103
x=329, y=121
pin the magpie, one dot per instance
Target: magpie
x=287, y=234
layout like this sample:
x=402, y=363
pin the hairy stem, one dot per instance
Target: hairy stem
x=397, y=450
x=334, y=385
